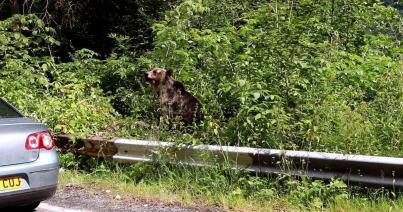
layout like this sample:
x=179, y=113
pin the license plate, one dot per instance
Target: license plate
x=10, y=183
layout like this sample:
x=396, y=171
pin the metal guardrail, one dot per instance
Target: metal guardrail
x=94, y=146
x=366, y=170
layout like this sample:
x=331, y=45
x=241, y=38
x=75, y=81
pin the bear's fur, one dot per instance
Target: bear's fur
x=174, y=100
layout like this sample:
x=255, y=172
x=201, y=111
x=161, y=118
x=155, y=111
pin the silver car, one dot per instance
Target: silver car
x=29, y=166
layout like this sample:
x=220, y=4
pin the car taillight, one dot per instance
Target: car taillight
x=40, y=140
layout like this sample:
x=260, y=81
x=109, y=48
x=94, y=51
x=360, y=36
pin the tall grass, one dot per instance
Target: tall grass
x=224, y=187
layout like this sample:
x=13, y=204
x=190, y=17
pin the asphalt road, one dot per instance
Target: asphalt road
x=77, y=199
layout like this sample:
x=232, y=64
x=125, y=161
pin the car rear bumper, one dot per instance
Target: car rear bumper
x=27, y=197
x=41, y=175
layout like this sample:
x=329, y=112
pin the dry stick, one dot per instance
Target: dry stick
x=23, y=7
x=291, y=7
x=46, y=14
x=276, y=11
x=30, y=6
x=331, y=22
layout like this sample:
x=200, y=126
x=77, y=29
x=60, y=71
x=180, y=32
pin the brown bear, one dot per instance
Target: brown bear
x=175, y=101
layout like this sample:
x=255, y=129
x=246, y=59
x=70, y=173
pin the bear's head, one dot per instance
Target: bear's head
x=156, y=76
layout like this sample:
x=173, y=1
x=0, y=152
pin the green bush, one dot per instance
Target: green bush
x=308, y=75
x=66, y=96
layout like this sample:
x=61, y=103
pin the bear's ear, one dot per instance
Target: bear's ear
x=169, y=72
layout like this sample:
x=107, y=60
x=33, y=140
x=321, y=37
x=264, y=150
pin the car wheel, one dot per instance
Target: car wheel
x=30, y=207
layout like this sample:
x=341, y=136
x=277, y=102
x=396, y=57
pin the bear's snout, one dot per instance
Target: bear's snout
x=148, y=77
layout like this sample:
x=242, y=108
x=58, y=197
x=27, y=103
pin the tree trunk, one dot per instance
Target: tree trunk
x=16, y=6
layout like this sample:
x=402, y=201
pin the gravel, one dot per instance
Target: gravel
x=78, y=198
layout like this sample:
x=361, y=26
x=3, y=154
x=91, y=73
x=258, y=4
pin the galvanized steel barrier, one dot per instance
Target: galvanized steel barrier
x=366, y=170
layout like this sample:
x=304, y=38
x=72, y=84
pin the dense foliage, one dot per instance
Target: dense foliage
x=65, y=96
x=306, y=74
x=292, y=75
x=88, y=23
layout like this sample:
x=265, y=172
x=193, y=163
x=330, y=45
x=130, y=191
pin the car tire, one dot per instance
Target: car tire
x=30, y=207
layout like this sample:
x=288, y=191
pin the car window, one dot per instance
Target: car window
x=6, y=111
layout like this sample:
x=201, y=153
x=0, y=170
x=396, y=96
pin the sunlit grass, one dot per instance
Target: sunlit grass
x=168, y=190
x=162, y=192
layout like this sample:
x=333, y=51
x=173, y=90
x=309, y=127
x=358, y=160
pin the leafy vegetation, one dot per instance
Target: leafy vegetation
x=303, y=75
x=309, y=75
x=66, y=96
